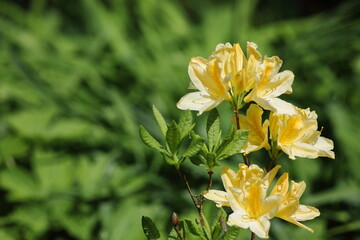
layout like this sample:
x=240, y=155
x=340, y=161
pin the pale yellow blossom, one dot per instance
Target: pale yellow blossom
x=290, y=209
x=227, y=74
x=241, y=69
x=258, y=135
x=297, y=135
x=205, y=76
x=246, y=195
x=270, y=85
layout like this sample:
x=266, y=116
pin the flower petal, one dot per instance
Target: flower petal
x=258, y=136
x=251, y=50
x=197, y=72
x=306, y=213
x=276, y=105
x=325, y=145
x=260, y=227
x=280, y=84
x=269, y=177
x=240, y=219
x=219, y=197
x=198, y=102
x=236, y=199
x=282, y=185
x=270, y=206
x=229, y=177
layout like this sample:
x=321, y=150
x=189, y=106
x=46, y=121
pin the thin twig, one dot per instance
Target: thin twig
x=183, y=177
x=210, y=180
x=253, y=236
x=237, y=118
x=198, y=204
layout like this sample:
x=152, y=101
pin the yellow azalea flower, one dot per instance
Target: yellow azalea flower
x=242, y=70
x=270, y=85
x=290, y=209
x=225, y=75
x=246, y=195
x=258, y=135
x=205, y=76
x=297, y=135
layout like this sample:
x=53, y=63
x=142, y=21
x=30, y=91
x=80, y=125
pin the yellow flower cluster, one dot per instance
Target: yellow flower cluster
x=296, y=135
x=246, y=194
x=229, y=75
x=232, y=76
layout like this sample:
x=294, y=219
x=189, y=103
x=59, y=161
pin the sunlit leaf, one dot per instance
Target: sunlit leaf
x=160, y=120
x=173, y=137
x=232, y=144
x=195, y=146
x=185, y=123
x=150, y=140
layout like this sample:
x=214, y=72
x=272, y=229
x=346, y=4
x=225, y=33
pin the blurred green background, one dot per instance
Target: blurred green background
x=78, y=77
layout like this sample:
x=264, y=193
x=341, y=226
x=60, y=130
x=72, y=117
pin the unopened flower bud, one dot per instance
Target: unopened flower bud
x=175, y=219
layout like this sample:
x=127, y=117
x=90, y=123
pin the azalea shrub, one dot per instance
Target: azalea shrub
x=261, y=121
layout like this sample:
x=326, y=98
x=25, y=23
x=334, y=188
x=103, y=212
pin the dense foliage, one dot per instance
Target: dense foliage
x=77, y=78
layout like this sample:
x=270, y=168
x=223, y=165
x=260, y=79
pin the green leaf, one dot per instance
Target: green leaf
x=173, y=137
x=160, y=120
x=150, y=140
x=195, y=145
x=232, y=144
x=206, y=229
x=210, y=160
x=32, y=123
x=149, y=228
x=218, y=228
x=169, y=159
x=220, y=216
x=20, y=183
x=173, y=235
x=194, y=228
x=213, y=130
x=198, y=160
x=232, y=233
x=11, y=146
x=185, y=123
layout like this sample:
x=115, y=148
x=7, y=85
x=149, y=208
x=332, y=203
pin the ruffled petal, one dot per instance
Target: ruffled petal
x=300, y=149
x=229, y=177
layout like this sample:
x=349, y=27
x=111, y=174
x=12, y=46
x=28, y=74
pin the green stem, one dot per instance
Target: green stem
x=253, y=236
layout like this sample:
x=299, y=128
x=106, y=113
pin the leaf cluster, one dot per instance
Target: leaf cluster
x=199, y=151
x=193, y=229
